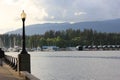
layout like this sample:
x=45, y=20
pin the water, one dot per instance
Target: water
x=76, y=65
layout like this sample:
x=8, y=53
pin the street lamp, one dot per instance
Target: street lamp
x=24, y=57
x=23, y=17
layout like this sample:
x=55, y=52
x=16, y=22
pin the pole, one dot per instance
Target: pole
x=24, y=57
x=23, y=37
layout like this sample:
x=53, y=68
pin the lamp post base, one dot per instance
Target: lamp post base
x=24, y=62
x=24, y=52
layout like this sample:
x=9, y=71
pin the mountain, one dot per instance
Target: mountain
x=100, y=26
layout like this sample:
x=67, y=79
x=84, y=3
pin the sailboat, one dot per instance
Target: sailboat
x=14, y=48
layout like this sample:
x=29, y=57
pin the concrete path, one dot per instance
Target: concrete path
x=6, y=73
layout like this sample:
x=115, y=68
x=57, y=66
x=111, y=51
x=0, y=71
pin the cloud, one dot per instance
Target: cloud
x=52, y=17
x=94, y=9
x=10, y=2
x=79, y=13
x=56, y=11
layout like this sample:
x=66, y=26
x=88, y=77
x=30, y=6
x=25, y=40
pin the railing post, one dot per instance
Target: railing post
x=11, y=61
x=14, y=64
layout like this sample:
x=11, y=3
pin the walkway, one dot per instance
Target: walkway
x=6, y=73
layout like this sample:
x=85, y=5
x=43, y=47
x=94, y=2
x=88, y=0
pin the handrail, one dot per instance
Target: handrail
x=13, y=62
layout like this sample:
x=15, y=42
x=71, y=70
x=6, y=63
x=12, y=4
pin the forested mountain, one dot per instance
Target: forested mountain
x=65, y=38
x=99, y=26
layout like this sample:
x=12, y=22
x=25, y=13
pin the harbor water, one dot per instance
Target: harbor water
x=75, y=65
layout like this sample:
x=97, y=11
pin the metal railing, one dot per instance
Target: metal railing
x=11, y=61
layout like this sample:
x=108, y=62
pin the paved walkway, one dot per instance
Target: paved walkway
x=6, y=73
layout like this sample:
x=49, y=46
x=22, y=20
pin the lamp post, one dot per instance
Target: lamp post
x=24, y=57
x=23, y=17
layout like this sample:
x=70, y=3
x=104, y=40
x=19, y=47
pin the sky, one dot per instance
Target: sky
x=55, y=11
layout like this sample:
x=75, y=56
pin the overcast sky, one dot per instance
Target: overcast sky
x=42, y=11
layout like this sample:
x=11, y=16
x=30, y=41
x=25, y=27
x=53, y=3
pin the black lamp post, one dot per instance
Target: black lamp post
x=23, y=17
x=24, y=57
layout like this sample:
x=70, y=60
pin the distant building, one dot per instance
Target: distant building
x=79, y=47
x=50, y=48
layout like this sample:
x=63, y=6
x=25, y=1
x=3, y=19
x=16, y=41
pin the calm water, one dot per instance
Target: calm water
x=76, y=65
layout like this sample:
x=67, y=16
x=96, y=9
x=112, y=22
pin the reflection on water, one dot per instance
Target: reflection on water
x=84, y=65
x=104, y=57
x=76, y=65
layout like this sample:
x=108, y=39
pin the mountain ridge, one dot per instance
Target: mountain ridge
x=100, y=26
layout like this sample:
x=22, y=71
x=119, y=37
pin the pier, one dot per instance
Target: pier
x=9, y=70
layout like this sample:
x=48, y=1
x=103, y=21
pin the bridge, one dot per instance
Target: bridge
x=9, y=70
